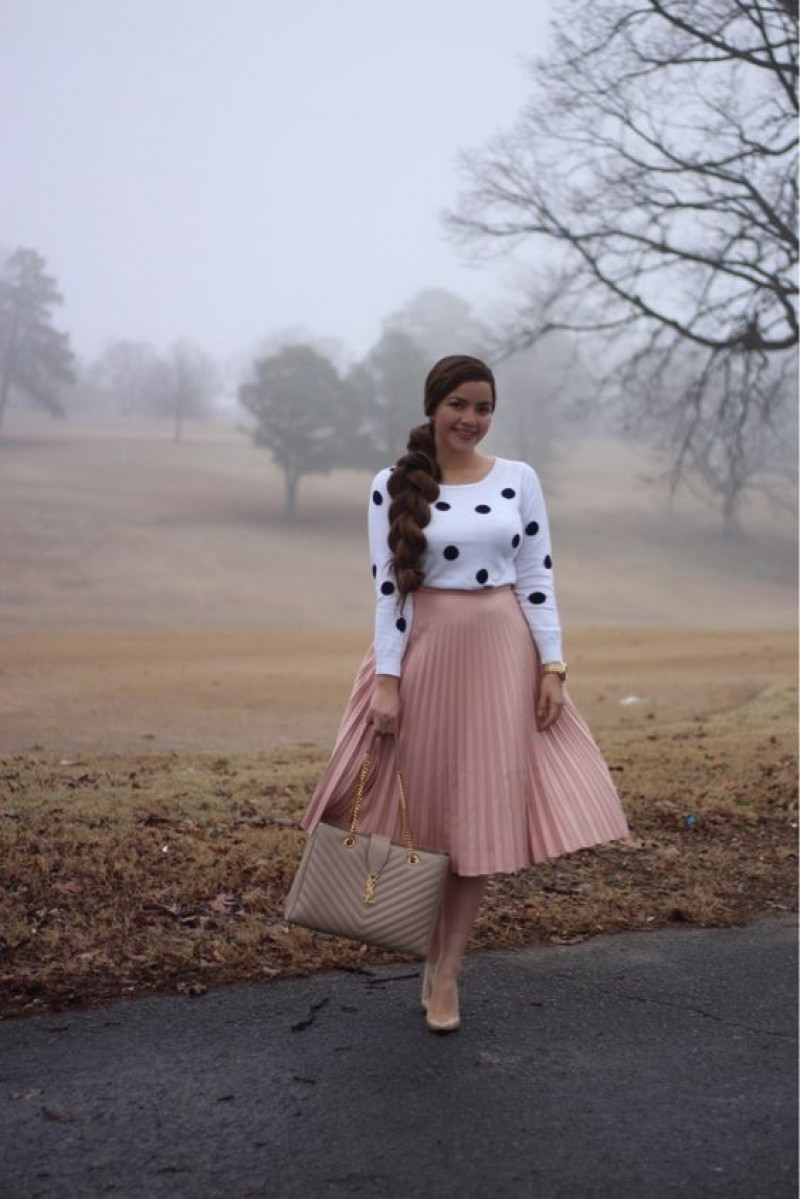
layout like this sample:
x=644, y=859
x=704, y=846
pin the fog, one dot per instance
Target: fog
x=224, y=174
x=217, y=172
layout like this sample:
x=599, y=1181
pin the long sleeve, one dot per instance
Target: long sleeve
x=535, y=586
x=393, y=620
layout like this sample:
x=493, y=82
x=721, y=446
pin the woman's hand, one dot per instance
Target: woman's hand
x=550, y=703
x=384, y=710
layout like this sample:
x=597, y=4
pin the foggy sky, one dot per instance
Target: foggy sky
x=216, y=171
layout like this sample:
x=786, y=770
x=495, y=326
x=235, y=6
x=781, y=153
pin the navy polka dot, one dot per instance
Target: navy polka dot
x=401, y=624
x=537, y=597
x=483, y=508
x=548, y=561
x=451, y=552
x=482, y=576
x=508, y=493
x=442, y=505
x=515, y=540
x=377, y=498
x=387, y=588
x=532, y=529
x=374, y=572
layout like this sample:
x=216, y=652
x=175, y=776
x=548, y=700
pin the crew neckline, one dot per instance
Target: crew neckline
x=475, y=482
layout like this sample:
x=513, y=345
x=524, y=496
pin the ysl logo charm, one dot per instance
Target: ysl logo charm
x=369, y=888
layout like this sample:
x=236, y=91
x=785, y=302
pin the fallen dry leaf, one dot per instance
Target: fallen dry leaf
x=59, y=1115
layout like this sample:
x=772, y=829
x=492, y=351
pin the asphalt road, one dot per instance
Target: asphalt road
x=639, y=1065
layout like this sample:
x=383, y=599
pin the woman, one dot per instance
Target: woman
x=501, y=771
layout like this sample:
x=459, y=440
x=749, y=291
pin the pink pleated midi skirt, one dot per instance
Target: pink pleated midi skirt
x=482, y=783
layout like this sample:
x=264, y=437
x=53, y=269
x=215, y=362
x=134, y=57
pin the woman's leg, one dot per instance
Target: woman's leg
x=460, y=902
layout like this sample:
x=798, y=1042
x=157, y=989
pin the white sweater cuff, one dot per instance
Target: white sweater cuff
x=549, y=647
x=389, y=664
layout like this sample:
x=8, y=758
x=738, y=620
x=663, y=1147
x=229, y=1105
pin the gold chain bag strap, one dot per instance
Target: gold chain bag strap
x=364, y=886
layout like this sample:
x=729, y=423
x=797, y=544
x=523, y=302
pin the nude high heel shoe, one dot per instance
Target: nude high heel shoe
x=449, y=1023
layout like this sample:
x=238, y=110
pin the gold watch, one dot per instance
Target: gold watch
x=559, y=668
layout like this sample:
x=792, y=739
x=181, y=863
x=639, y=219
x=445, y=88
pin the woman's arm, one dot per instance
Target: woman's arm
x=535, y=591
x=393, y=619
x=535, y=585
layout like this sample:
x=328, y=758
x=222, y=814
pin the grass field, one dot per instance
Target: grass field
x=169, y=691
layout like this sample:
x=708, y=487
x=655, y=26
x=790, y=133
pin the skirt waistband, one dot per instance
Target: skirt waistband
x=464, y=590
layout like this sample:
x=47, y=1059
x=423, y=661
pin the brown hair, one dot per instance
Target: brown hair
x=414, y=482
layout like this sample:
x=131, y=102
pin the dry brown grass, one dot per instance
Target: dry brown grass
x=129, y=873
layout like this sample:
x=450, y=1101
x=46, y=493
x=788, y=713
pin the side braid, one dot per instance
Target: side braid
x=413, y=486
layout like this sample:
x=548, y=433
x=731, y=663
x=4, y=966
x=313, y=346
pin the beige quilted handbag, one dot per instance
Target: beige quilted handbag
x=365, y=886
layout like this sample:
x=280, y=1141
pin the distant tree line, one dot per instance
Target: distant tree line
x=38, y=366
x=131, y=378
x=311, y=415
x=314, y=418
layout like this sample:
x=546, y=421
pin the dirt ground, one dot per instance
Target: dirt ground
x=249, y=691
x=154, y=596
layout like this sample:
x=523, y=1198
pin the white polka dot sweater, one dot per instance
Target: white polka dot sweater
x=481, y=535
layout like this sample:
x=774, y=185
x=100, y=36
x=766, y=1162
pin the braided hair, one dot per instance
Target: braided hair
x=414, y=483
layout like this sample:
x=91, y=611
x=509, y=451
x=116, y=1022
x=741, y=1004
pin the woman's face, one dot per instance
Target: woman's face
x=463, y=418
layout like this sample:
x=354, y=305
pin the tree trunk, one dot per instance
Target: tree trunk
x=291, y=479
x=178, y=421
x=731, y=528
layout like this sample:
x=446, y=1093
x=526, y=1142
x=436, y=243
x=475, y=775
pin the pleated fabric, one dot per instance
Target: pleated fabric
x=482, y=782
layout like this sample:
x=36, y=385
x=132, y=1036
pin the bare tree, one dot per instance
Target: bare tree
x=734, y=432
x=130, y=374
x=658, y=156
x=188, y=382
